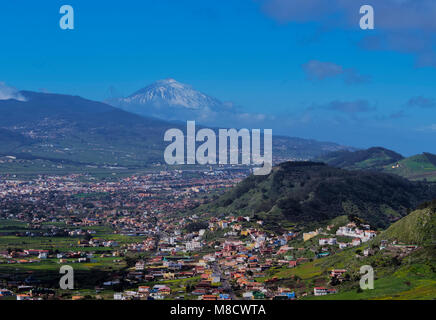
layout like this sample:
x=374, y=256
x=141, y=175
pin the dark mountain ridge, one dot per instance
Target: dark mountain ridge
x=417, y=167
x=77, y=129
x=297, y=194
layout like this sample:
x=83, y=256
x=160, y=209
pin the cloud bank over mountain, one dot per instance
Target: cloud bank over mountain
x=7, y=92
x=175, y=101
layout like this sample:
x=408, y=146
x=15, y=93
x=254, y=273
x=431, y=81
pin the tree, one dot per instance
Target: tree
x=130, y=261
x=334, y=281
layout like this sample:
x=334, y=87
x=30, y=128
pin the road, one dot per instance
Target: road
x=224, y=281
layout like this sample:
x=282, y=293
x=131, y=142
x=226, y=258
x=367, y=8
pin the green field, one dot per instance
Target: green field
x=417, y=167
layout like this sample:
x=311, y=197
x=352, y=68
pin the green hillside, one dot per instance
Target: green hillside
x=373, y=158
x=11, y=141
x=400, y=273
x=303, y=194
x=419, y=227
x=418, y=167
x=72, y=130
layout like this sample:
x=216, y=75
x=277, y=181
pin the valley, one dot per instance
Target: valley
x=63, y=130
x=156, y=236
x=85, y=184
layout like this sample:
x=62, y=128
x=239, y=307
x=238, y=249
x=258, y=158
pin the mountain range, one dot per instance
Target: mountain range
x=168, y=93
x=75, y=129
x=71, y=129
x=171, y=100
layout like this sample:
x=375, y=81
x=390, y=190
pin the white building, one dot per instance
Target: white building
x=193, y=245
x=325, y=241
x=118, y=296
x=356, y=242
x=320, y=291
x=342, y=245
x=350, y=231
x=43, y=255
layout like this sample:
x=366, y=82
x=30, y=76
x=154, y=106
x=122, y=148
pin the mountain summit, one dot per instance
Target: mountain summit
x=71, y=129
x=169, y=99
x=171, y=93
x=374, y=158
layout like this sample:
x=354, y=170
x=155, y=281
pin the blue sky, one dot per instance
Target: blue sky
x=305, y=65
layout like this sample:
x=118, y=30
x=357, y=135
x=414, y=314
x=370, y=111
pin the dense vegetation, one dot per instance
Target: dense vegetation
x=419, y=227
x=418, y=167
x=304, y=193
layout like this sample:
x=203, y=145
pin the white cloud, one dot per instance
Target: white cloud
x=7, y=93
x=319, y=70
x=430, y=128
x=402, y=25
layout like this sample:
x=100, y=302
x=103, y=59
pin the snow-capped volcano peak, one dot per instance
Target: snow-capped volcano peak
x=169, y=81
x=170, y=93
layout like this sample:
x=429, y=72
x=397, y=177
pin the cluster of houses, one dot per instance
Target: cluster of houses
x=23, y=256
x=143, y=211
x=322, y=291
x=359, y=235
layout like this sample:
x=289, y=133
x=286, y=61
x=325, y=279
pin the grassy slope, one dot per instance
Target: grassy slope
x=413, y=277
x=373, y=158
x=419, y=227
x=10, y=141
x=417, y=167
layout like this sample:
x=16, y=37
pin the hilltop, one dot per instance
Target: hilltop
x=417, y=167
x=372, y=158
x=164, y=97
x=301, y=194
x=419, y=227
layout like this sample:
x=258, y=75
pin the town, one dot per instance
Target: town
x=133, y=238
x=206, y=153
